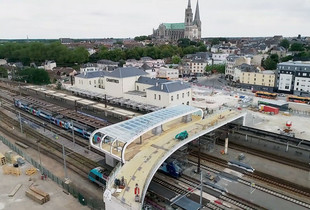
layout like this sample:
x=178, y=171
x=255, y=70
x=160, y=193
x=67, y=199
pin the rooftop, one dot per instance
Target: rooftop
x=174, y=26
x=126, y=72
x=92, y=74
x=170, y=87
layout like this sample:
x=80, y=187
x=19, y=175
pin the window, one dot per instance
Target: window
x=90, y=82
x=159, y=97
x=182, y=95
x=187, y=103
x=254, y=79
x=188, y=93
x=177, y=96
x=94, y=81
x=171, y=98
x=155, y=96
x=137, y=88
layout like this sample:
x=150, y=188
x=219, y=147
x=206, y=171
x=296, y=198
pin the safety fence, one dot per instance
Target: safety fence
x=83, y=197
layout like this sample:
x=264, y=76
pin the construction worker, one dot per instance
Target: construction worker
x=137, y=192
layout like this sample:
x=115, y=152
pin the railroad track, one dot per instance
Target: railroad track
x=268, y=156
x=263, y=177
x=228, y=198
x=60, y=132
x=50, y=147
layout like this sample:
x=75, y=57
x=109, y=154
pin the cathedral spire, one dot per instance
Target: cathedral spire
x=197, y=16
x=189, y=4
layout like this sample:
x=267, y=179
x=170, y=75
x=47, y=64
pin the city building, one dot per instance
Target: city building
x=107, y=65
x=134, y=84
x=190, y=28
x=219, y=58
x=168, y=73
x=89, y=67
x=197, y=66
x=231, y=62
x=294, y=77
x=258, y=80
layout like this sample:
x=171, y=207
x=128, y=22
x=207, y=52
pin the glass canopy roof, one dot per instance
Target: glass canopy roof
x=129, y=130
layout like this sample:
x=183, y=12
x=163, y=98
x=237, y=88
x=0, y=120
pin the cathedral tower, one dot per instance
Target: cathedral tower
x=197, y=20
x=188, y=14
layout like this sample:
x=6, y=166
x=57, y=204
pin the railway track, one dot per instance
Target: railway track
x=228, y=198
x=60, y=132
x=75, y=161
x=273, y=181
x=268, y=156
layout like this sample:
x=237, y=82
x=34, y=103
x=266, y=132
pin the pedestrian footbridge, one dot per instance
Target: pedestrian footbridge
x=140, y=145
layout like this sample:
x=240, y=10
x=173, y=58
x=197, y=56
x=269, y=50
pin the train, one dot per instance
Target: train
x=241, y=165
x=57, y=119
x=171, y=168
x=98, y=176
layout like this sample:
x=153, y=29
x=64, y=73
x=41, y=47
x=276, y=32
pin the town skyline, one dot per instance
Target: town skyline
x=103, y=19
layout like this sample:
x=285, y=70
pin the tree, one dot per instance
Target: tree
x=185, y=42
x=215, y=41
x=3, y=72
x=271, y=62
x=285, y=43
x=297, y=47
x=142, y=38
x=58, y=85
x=287, y=58
x=220, y=68
x=176, y=59
x=34, y=76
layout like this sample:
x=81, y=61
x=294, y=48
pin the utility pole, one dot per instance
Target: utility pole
x=198, y=165
x=64, y=157
x=201, y=184
x=73, y=138
x=20, y=122
x=40, y=157
x=105, y=100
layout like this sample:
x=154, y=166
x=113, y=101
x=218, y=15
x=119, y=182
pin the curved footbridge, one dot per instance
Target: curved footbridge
x=140, y=145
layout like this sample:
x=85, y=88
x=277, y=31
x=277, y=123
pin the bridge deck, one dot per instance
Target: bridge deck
x=140, y=168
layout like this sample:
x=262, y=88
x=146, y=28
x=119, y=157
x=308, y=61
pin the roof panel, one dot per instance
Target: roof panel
x=128, y=131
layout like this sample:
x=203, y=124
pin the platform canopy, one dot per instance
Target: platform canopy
x=129, y=130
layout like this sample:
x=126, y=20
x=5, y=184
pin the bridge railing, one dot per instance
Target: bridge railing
x=113, y=174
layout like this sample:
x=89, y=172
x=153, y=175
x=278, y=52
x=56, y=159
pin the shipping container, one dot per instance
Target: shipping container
x=271, y=109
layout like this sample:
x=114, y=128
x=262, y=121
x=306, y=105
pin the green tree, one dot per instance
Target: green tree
x=297, y=47
x=33, y=76
x=185, y=42
x=142, y=38
x=215, y=41
x=220, y=68
x=176, y=59
x=270, y=64
x=285, y=43
x=287, y=58
x=3, y=72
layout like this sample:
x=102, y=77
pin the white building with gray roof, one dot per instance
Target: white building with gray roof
x=134, y=84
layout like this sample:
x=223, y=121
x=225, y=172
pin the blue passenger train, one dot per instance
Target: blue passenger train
x=56, y=119
x=171, y=168
x=99, y=176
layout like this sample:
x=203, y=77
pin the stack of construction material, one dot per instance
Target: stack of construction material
x=31, y=171
x=11, y=170
x=2, y=160
x=37, y=195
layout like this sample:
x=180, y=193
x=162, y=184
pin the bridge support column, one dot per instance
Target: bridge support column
x=226, y=145
x=158, y=130
x=187, y=118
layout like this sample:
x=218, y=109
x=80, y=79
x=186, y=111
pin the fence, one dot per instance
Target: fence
x=92, y=203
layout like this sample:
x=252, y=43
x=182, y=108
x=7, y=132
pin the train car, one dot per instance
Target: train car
x=99, y=176
x=47, y=115
x=61, y=121
x=215, y=187
x=171, y=168
x=21, y=104
x=241, y=165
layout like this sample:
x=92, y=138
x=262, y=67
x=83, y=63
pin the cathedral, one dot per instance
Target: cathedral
x=190, y=29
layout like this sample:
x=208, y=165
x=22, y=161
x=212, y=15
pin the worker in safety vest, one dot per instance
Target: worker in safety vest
x=137, y=190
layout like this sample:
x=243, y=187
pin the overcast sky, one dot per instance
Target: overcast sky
x=130, y=18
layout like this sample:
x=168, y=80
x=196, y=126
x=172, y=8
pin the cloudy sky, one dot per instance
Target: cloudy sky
x=129, y=18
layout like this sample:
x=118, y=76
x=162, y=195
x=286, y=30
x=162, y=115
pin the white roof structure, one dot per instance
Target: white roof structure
x=129, y=130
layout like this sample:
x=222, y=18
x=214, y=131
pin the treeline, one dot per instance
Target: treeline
x=156, y=52
x=38, y=52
